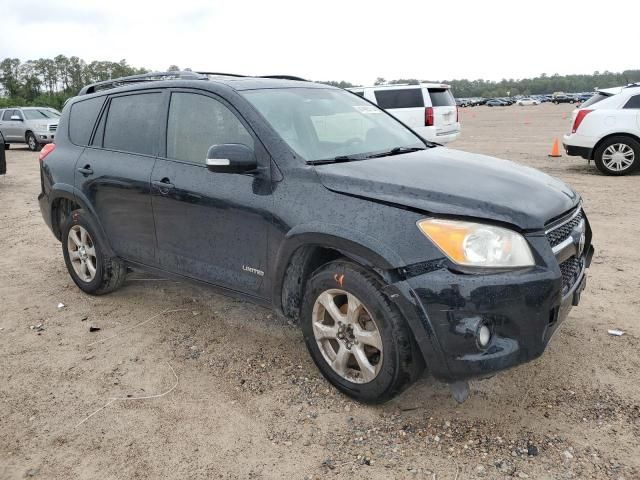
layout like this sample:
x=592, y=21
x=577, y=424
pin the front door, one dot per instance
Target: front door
x=210, y=226
x=13, y=129
x=114, y=172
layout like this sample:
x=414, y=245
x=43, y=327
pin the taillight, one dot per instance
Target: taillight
x=579, y=117
x=428, y=117
x=46, y=150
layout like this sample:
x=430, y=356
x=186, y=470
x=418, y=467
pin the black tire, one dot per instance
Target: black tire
x=110, y=272
x=401, y=365
x=32, y=142
x=621, y=139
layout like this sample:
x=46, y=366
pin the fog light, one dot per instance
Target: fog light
x=484, y=336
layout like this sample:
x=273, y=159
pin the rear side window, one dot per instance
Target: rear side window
x=82, y=118
x=400, y=98
x=132, y=123
x=441, y=97
x=595, y=99
x=7, y=114
x=196, y=122
x=633, y=102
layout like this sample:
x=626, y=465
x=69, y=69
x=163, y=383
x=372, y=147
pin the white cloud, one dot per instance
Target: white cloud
x=339, y=40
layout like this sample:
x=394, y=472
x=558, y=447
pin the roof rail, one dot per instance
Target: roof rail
x=145, y=77
x=281, y=77
x=284, y=77
x=221, y=74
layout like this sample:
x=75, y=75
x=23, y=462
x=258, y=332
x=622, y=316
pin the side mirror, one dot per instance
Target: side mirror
x=231, y=158
x=16, y=118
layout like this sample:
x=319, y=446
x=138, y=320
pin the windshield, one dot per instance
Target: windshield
x=322, y=124
x=39, y=114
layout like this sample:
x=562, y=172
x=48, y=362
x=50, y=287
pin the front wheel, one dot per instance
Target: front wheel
x=92, y=270
x=618, y=156
x=32, y=142
x=356, y=336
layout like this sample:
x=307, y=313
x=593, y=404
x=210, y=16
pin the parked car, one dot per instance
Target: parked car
x=316, y=202
x=496, y=102
x=3, y=160
x=563, y=99
x=606, y=129
x=528, y=101
x=35, y=126
x=429, y=108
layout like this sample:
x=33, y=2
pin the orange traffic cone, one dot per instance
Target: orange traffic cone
x=555, y=149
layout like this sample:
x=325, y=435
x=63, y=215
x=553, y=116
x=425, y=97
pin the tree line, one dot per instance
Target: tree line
x=543, y=84
x=51, y=81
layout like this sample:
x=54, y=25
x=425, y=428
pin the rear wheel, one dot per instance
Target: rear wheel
x=32, y=142
x=618, y=156
x=92, y=270
x=356, y=336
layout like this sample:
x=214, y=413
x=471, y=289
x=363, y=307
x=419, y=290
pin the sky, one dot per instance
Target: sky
x=356, y=41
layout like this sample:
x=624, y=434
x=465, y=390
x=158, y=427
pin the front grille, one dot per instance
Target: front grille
x=570, y=270
x=53, y=128
x=559, y=234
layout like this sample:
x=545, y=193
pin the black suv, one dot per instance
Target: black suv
x=394, y=254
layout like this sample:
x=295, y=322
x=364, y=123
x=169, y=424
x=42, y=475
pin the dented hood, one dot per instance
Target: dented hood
x=451, y=182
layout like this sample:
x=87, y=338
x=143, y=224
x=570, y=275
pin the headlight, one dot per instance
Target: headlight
x=41, y=126
x=478, y=245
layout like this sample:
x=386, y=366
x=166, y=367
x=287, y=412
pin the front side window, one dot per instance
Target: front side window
x=196, y=122
x=132, y=123
x=322, y=124
x=633, y=102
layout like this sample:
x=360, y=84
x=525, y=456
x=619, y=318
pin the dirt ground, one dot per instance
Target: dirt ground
x=231, y=392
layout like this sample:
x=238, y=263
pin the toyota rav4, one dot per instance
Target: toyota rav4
x=395, y=254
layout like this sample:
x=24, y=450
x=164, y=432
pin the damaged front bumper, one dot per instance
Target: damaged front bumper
x=522, y=309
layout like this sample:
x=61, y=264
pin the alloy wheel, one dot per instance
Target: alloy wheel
x=347, y=336
x=618, y=157
x=82, y=253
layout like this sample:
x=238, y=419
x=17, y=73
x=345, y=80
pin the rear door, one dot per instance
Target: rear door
x=444, y=110
x=406, y=104
x=114, y=172
x=210, y=226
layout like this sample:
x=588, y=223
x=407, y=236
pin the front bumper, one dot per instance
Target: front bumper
x=45, y=136
x=523, y=309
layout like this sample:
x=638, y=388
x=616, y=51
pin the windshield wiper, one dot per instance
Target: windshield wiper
x=338, y=159
x=396, y=151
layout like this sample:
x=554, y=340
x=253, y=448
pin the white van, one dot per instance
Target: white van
x=429, y=108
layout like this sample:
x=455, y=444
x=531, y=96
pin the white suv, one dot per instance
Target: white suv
x=429, y=108
x=606, y=128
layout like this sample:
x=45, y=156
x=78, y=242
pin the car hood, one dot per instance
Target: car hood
x=452, y=182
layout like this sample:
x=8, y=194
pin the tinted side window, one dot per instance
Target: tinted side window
x=441, y=97
x=7, y=115
x=401, y=98
x=633, y=102
x=359, y=93
x=197, y=122
x=132, y=123
x=82, y=118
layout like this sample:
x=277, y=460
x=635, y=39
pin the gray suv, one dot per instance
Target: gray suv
x=34, y=126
